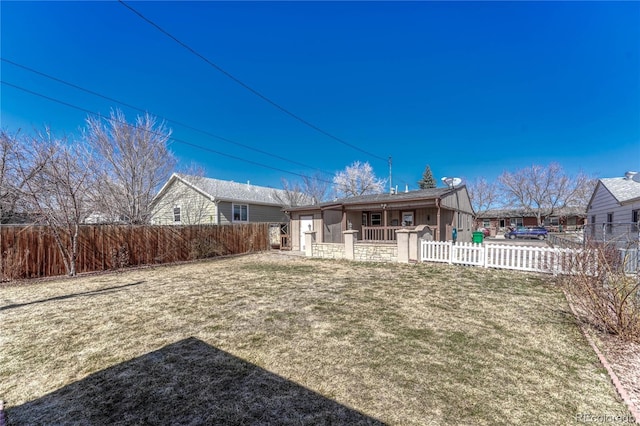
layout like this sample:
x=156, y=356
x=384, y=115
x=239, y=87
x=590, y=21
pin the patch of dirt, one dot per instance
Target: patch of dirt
x=624, y=358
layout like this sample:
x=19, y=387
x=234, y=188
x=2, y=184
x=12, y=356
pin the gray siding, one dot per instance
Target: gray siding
x=261, y=213
x=257, y=213
x=460, y=202
x=601, y=205
x=294, y=227
x=224, y=210
x=427, y=216
x=332, y=220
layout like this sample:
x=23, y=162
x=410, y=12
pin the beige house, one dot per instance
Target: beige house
x=191, y=200
x=437, y=212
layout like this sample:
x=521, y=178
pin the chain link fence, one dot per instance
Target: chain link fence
x=624, y=237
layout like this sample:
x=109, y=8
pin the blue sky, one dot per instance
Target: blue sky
x=472, y=89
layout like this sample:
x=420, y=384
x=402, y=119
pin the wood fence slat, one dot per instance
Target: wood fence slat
x=31, y=251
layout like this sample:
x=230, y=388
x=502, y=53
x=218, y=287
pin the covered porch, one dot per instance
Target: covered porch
x=380, y=222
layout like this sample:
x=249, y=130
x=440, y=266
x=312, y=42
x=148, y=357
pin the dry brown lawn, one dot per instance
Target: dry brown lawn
x=269, y=338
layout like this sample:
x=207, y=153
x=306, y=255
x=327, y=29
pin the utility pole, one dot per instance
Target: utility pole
x=390, y=183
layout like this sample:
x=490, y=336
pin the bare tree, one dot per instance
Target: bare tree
x=542, y=190
x=135, y=161
x=315, y=187
x=357, y=179
x=483, y=195
x=291, y=195
x=58, y=178
x=10, y=181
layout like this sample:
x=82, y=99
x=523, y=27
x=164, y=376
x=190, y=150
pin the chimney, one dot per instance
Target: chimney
x=629, y=175
x=406, y=187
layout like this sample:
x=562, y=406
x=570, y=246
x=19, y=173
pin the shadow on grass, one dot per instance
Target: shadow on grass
x=71, y=296
x=188, y=382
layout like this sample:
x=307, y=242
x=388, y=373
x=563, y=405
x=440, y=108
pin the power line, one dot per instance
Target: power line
x=75, y=86
x=180, y=141
x=246, y=86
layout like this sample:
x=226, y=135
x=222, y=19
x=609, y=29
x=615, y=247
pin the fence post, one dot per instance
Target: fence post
x=451, y=248
x=350, y=237
x=485, y=255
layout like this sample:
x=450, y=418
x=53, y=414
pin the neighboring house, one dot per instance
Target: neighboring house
x=97, y=218
x=435, y=212
x=614, y=210
x=17, y=218
x=189, y=200
x=563, y=219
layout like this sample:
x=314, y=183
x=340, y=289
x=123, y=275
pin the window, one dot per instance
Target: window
x=176, y=214
x=240, y=213
x=364, y=219
x=486, y=223
x=516, y=221
x=609, y=222
x=551, y=221
x=376, y=219
x=593, y=218
x=635, y=218
x=407, y=218
x=502, y=223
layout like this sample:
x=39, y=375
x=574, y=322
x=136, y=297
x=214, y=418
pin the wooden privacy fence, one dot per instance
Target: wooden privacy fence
x=31, y=251
x=519, y=258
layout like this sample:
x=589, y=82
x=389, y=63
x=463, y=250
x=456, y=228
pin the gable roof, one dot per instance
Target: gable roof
x=224, y=190
x=418, y=195
x=621, y=188
x=579, y=211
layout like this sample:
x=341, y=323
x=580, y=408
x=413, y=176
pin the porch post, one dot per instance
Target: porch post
x=343, y=224
x=437, y=236
x=384, y=210
x=350, y=238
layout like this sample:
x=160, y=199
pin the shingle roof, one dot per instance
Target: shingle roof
x=622, y=189
x=234, y=191
x=386, y=197
x=504, y=213
x=422, y=194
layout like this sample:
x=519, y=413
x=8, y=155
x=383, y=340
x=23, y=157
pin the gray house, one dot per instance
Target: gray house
x=191, y=200
x=613, y=213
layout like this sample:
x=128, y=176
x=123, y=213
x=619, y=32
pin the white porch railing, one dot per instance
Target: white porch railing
x=519, y=258
x=380, y=233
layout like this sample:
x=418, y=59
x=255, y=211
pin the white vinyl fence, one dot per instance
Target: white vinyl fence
x=520, y=258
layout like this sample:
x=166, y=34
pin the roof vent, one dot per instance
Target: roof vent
x=629, y=175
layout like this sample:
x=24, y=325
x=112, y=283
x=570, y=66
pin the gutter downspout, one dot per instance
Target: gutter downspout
x=438, y=220
x=215, y=203
x=343, y=224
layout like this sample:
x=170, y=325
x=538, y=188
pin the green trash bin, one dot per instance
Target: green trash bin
x=478, y=237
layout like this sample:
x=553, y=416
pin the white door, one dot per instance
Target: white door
x=306, y=224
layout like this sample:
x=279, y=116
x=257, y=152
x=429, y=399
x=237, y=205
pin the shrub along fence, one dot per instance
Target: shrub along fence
x=31, y=251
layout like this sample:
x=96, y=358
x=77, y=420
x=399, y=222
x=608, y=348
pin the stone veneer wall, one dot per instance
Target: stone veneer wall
x=328, y=250
x=370, y=252
x=364, y=252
